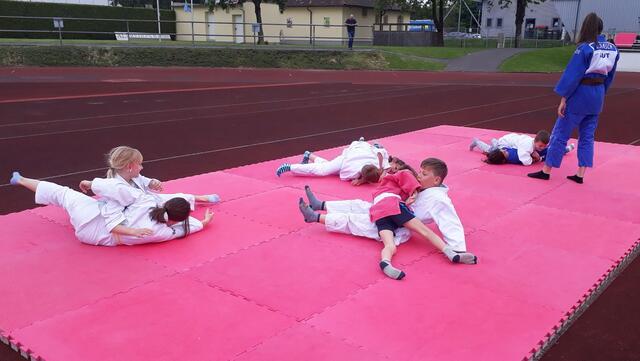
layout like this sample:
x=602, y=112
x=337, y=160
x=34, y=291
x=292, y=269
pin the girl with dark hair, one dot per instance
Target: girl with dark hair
x=582, y=87
x=125, y=165
x=143, y=220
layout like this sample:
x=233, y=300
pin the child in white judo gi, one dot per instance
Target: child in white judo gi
x=144, y=221
x=359, y=163
x=431, y=204
x=514, y=148
x=124, y=184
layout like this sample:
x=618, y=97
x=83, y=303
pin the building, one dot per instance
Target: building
x=303, y=21
x=555, y=18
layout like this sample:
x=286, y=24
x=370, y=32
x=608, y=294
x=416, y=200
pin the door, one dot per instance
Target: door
x=210, y=28
x=238, y=29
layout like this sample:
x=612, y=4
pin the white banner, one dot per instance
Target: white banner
x=126, y=36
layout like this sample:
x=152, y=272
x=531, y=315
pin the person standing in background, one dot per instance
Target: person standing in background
x=351, y=23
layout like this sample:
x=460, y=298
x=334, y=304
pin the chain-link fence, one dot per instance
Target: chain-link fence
x=69, y=30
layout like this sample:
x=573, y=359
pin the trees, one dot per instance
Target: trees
x=229, y=3
x=521, y=6
x=437, y=13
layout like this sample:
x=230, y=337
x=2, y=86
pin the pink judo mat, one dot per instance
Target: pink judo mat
x=260, y=284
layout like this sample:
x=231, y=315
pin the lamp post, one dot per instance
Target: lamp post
x=158, y=15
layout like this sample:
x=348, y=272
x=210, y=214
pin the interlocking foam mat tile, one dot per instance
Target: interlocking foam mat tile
x=261, y=284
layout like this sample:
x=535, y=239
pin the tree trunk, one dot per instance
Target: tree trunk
x=437, y=9
x=520, y=10
x=256, y=4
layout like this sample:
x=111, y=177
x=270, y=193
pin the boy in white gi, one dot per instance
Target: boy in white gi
x=432, y=204
x=514, y=148
x=359, y=163
x=143, y=221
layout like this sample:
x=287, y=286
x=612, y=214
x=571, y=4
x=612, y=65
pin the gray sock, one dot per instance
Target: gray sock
x=315, y=203
x=474, y=143
x=309, y=215
x=467, y=258
x=391, y=271
x=459, y=257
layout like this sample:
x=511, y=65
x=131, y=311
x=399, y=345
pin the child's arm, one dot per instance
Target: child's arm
x=128, y=231
x=358, y=181
x=155, y=185
x=412, y=198
x=115, y=190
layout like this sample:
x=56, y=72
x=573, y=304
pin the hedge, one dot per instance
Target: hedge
x=103, y=29
x=204, y=57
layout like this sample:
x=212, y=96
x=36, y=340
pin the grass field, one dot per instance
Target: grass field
x=539, y=61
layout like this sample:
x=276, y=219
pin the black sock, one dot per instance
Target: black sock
x=539, y=175
x=576, y=178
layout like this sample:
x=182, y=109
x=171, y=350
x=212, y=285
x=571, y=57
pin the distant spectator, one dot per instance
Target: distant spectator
x=351, y=23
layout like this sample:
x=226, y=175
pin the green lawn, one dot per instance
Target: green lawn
x=429, y=51
x=399, y=62
x=539, y=61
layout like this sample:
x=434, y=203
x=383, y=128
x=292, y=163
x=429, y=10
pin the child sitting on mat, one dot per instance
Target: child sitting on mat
x=390, y=211
x=359, y=163
x=143, y=221
x=515, y=148
x=125, y=164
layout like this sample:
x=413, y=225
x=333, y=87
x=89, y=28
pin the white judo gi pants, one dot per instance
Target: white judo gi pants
x=84, y=212
x=352, y=217
x=320, y=167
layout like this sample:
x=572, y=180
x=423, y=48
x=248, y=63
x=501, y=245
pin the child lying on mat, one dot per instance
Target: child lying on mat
x=143, y=221
x=359, y=163
x=515, y=148
x=124, y=184
x=390, y=211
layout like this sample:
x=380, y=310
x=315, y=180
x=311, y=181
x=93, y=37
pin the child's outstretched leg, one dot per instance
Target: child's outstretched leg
x=309, y=215
x=305, y=157
x=484, y=147
x=283, y=168
x=454, y=256
x=18, y=179
x=387, y=253
x=315, y=203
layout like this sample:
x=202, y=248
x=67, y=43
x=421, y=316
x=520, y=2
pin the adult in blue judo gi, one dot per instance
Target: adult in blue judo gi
x=582, y=87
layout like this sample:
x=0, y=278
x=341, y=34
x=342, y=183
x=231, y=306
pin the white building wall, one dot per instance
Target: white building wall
x=617, y=15
x=543, y=14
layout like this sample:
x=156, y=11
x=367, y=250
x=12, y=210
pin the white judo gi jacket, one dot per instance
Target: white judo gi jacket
x=522, y=142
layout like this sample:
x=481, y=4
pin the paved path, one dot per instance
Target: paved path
x=486, y=60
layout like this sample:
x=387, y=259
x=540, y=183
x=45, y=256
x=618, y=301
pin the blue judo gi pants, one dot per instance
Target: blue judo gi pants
x=587, y=124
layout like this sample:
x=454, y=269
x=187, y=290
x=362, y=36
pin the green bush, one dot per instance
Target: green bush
x=79, y=29
x=216, y=57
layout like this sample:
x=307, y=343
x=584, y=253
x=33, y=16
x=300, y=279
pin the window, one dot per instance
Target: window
x=327, y=21
x=499, y=22
x=400, y=19
x=489, y=22
x=529, y=23
x=555, y=23
x=364, y=12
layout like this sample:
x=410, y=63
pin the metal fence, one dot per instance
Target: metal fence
x=220, y=33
